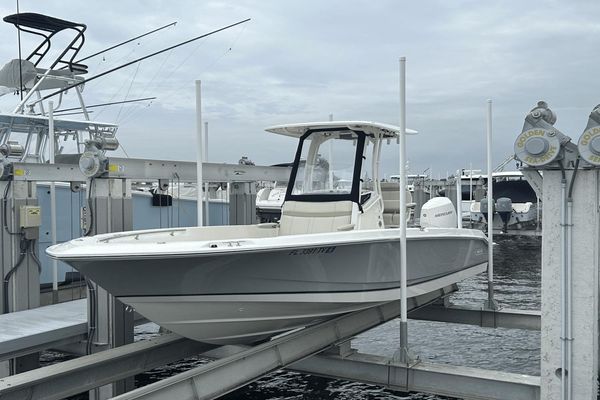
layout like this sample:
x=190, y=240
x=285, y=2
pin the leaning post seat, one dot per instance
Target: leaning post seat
x=301, y=217
x=391, y=203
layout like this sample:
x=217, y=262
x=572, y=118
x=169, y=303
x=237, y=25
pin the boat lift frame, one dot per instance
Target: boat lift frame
x=239, y=365
x=111, y=196
x=40, y=383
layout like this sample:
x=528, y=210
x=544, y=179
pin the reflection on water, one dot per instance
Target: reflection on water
x=517, y=285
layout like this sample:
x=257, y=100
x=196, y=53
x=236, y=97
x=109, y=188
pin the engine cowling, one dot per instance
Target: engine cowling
x=438, y=212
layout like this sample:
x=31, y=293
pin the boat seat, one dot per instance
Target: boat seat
x=391, y=203
x=391, y=197
x=300, y=217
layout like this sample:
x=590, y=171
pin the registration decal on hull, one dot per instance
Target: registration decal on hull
x=312, y=250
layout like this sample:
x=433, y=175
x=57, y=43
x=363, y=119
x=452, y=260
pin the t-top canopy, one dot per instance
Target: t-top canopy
x=376, y=128
x=41, y=22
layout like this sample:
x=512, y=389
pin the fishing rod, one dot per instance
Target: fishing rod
x=105, y=104
x=137, y=60
x=125, y=42
x=71, y=113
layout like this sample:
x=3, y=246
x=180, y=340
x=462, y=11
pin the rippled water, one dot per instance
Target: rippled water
x=517, y=283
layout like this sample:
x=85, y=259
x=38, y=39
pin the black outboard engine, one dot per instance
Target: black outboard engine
x=504, y=209
x=483, y=207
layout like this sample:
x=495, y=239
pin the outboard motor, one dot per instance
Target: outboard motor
x=483, y=208
x=504, y=209
x=438, y=212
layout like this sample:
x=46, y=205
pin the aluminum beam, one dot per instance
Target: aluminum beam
x=504, y=318
x=81, y=374
x=98, y=369
x=444, y=380
x=47, y=172
x=227, y=374
x=112, y=212
x=186, y=171
x=142, y=169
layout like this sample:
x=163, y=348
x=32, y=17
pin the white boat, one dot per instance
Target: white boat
x=329, y=254
x=269, y=199
x=524, y=209
x=269, y=202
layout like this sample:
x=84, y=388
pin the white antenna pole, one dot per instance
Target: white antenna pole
x=430, y=182
x=470, y=192
x=458, y=199
x=491, y=304
x=206, y=141
x=52, y=155
x=199, y=151
x=330, y=155
x=206, y=185
x=470, y=182
x=403, y=351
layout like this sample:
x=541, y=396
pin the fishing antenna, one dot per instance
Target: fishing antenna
x=20, y=67
x=137, y=60
x=125, y=42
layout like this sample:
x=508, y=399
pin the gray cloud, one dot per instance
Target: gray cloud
x=302, y=60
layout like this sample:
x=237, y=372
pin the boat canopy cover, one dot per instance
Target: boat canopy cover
x=55, y=79
x=10, y=74
x=297, y=130
x=41, y=22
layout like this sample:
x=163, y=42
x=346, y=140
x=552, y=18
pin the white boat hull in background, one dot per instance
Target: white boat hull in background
x=523, y=215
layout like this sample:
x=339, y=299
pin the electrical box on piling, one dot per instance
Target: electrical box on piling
x=30, y=216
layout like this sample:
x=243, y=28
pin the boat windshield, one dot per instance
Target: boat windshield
x=329, y=168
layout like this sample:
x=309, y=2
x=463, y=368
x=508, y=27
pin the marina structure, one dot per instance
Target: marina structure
x=100, y=328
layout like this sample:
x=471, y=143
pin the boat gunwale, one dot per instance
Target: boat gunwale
x=126, y=253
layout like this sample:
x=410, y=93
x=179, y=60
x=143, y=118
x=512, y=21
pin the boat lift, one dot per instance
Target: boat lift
x=239, y=365
x=109, y=194
x=101, y=368
x=109, y=331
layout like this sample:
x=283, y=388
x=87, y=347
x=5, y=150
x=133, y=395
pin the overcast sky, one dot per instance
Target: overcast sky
x=299, y=61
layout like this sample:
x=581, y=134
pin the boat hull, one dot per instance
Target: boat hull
x=524, y=215
x=242, y=297
x=254, y=317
